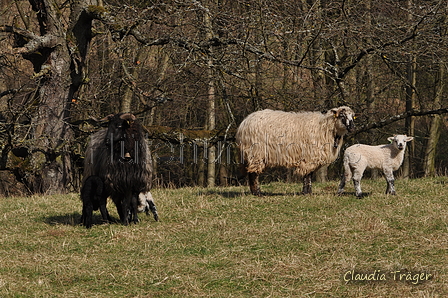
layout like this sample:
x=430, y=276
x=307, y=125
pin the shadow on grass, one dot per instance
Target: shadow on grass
x=353, y=194
x=238, y=194
x=74, y=219
x=224, y=193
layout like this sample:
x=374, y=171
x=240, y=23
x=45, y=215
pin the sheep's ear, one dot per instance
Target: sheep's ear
x=408, y=139
x=390, y=139
x=336, y=112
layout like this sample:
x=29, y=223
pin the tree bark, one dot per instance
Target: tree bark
x=131, y=77
x=410, y=120
x=410, y=105
x=211, y=110
x=58, y=55
x=434, y=132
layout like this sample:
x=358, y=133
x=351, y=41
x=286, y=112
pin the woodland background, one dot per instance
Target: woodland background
x=192, y=70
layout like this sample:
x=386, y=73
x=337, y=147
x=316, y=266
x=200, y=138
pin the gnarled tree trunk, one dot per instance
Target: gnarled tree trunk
x=58, y=54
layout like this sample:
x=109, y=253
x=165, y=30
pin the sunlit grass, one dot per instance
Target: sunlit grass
x=224, y=242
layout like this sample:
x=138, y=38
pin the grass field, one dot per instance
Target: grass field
x=224, y=242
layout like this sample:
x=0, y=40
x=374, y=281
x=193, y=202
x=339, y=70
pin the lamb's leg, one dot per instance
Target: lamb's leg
x=146, y=203
x=307, y=184
x=151, y=207
x=357, y=185
x=254, y=185
x=87, y=211
x=390, y=190
x=357, y=176
x=341, y=185
x=346, y=176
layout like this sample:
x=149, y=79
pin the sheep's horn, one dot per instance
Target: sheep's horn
x=128, y=116
x=107, y=118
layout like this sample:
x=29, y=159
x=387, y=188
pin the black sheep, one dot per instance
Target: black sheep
x=119, y=155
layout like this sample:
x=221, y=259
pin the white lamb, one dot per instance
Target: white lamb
x=387, y=158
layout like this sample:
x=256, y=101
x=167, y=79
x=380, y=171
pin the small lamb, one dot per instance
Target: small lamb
x=146, y=204
x=385, y=157
x=94, y=197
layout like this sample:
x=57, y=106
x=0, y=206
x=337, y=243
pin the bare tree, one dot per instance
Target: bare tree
x=435, y=128
x=217, y=60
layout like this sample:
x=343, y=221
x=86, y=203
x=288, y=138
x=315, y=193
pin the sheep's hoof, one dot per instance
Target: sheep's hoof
x=152, y=207
x=256, y=192
x=307, y=191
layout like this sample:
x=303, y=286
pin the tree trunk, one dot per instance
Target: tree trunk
x=131, y=78
x=410, y=104
x=370, y=67
x=434, y=132
x=410, y=121
x=59, y=66
x=211, y=111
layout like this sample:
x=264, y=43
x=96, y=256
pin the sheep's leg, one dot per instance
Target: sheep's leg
x=357, y=185
x=357, y=175
x=346, y=176
x=307, y=184
x=147, y=201
x=125, y=211
x=153, y=209
x=86, y=217
x=103, y=209
x=120, y=212
x=254, y=185
x=105, y=213
x=341, y=185
x=123, y=207
x=390, y=190
x=134, y=206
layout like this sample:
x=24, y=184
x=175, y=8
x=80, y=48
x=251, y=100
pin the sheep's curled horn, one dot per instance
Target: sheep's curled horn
x=128, y=117
x=124, y=116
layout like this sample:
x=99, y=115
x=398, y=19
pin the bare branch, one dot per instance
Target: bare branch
x=395, y=118
x=35, y=42
x=19, y=31
x=8, y=92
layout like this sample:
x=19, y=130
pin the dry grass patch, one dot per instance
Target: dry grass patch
x=224, y=242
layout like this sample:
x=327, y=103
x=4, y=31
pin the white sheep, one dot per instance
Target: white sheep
x=387, y=158
x=305, y=141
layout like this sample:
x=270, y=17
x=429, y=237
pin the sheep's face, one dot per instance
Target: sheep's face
x=399, y=141
x=345, y=117
x=118, y=124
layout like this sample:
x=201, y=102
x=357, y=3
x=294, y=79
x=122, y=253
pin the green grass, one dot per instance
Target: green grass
x=224, y=242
